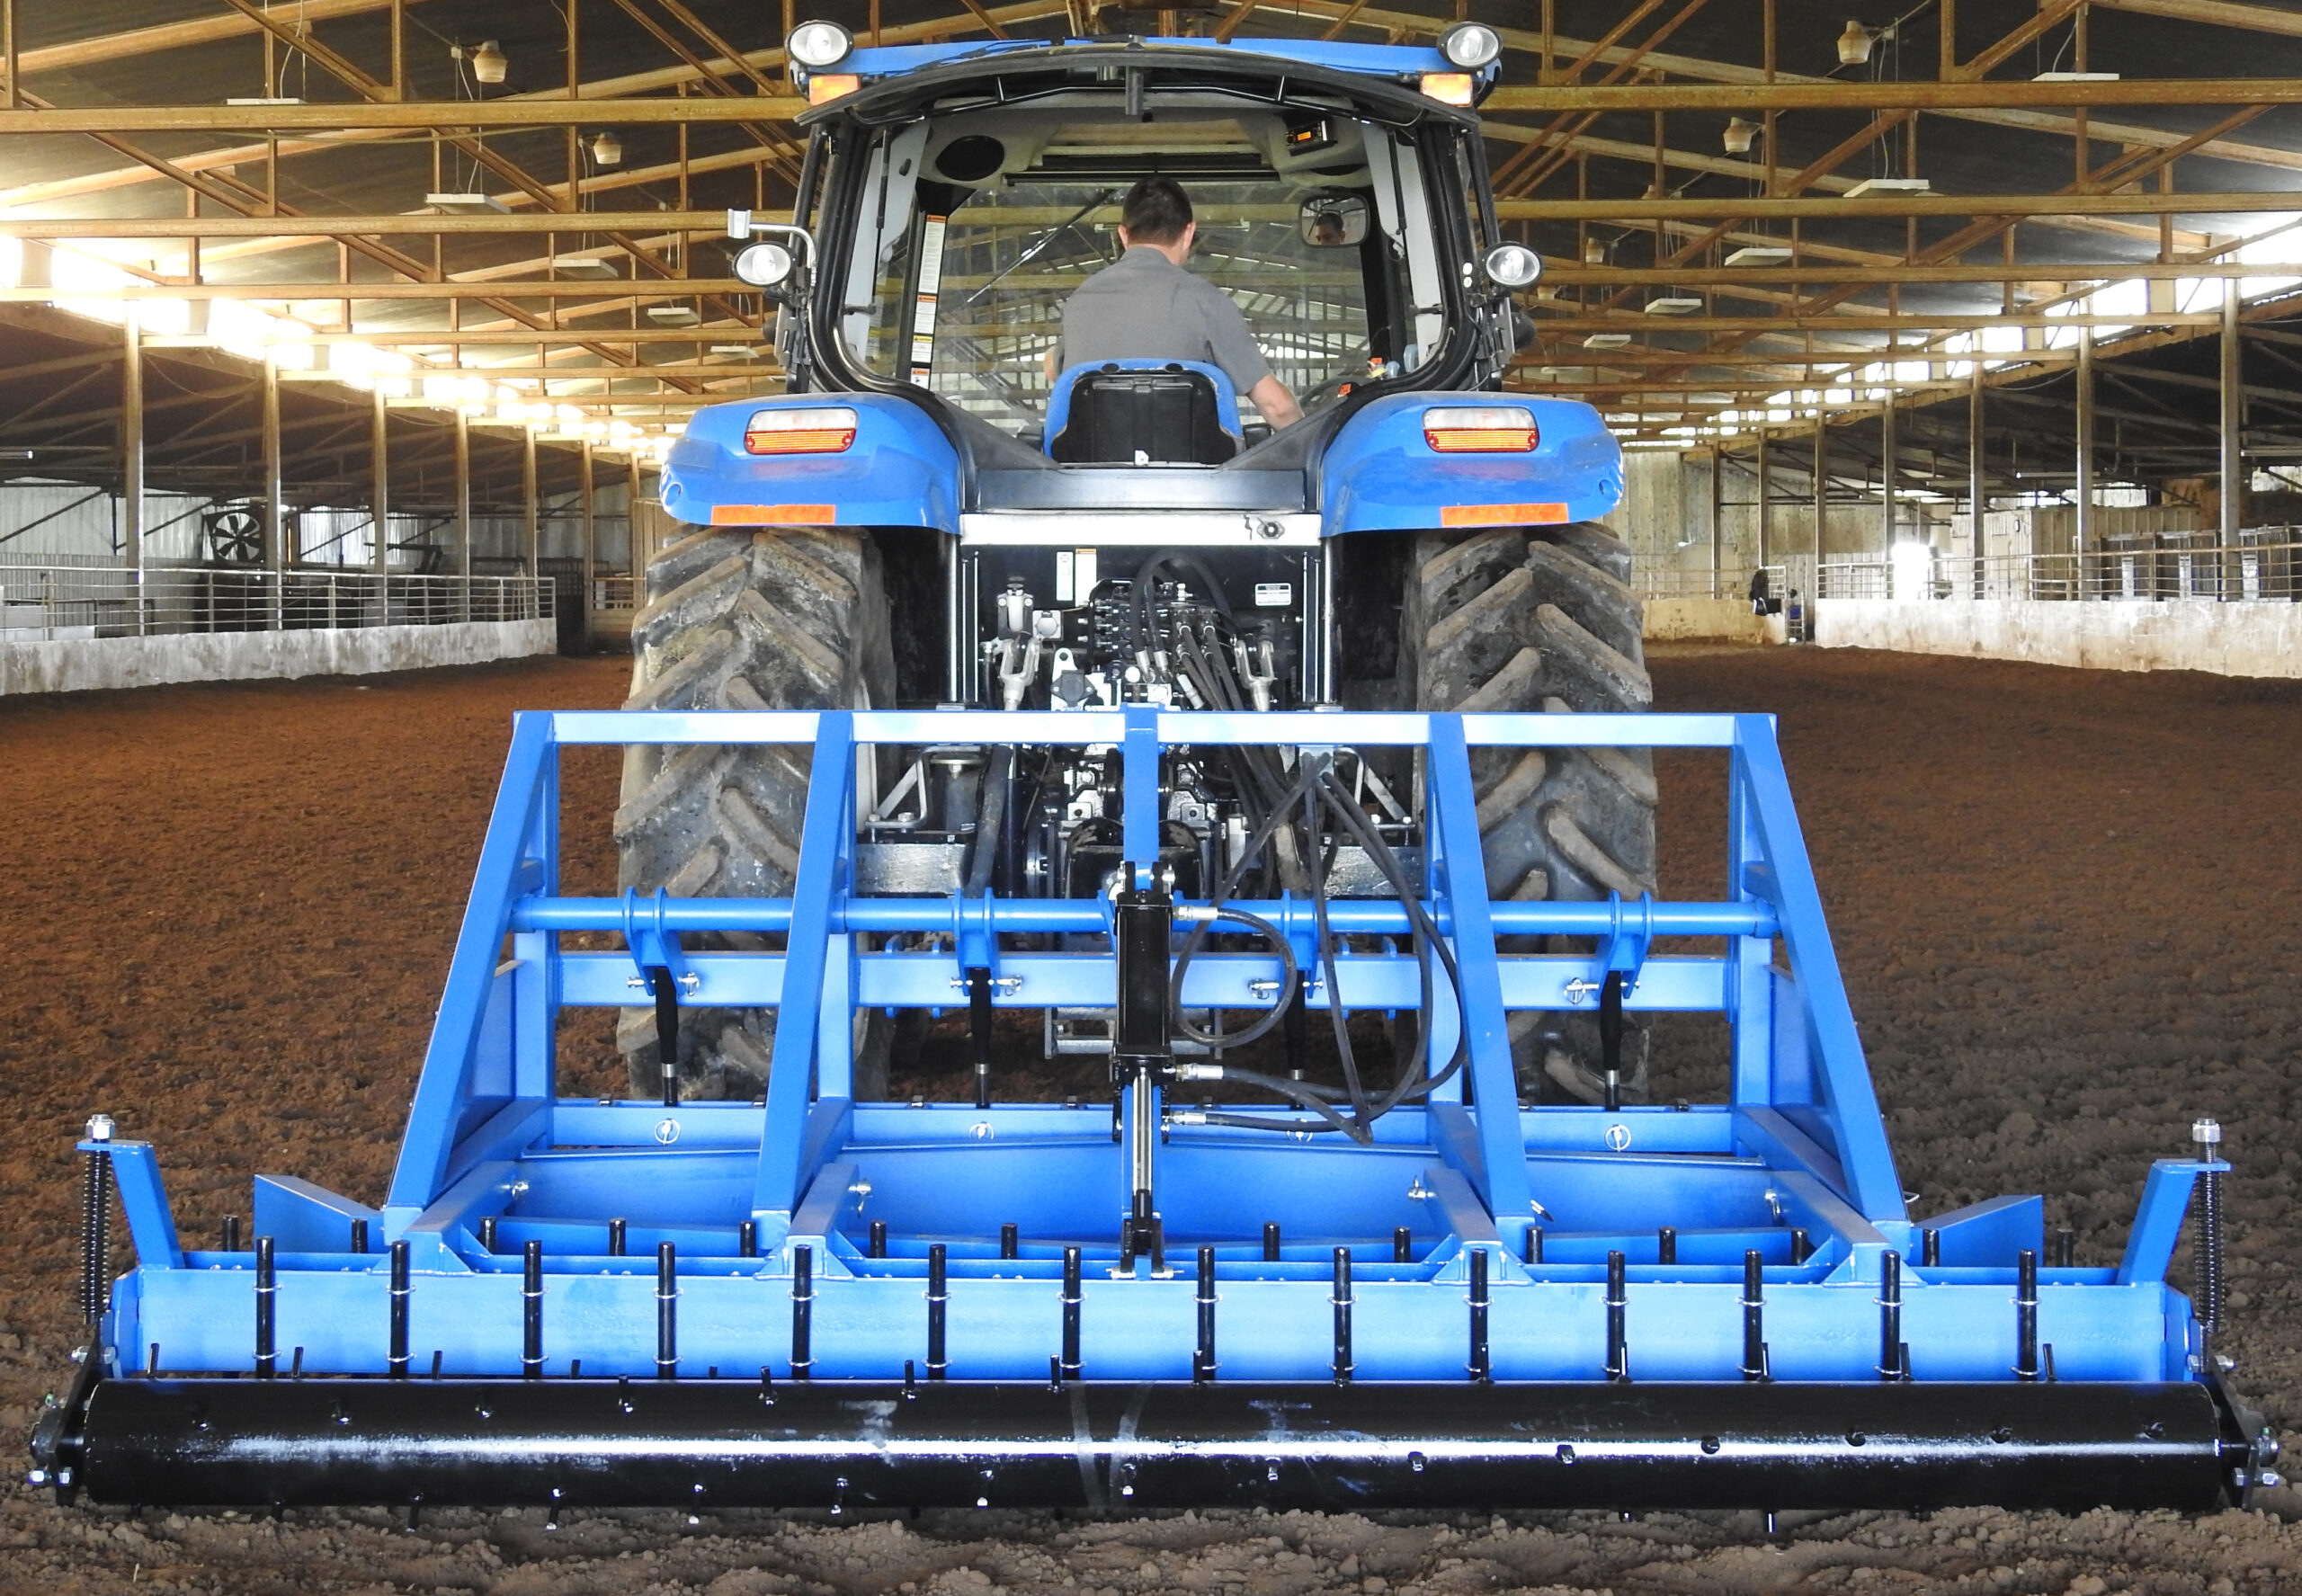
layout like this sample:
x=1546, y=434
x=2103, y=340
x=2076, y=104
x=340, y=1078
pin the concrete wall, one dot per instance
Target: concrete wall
x=2234, y=639
x=1708, y=620
x=79, y=664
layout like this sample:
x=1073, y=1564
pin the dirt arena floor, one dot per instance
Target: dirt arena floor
x=2067, y=902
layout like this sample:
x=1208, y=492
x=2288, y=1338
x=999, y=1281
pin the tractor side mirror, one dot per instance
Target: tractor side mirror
x=1333, y=221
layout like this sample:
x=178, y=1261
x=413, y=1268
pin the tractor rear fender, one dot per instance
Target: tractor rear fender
x=898, y=469
x=1381, y=474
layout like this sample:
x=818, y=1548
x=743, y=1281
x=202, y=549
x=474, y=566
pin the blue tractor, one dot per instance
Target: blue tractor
x=1279, y=784
x=935, y=514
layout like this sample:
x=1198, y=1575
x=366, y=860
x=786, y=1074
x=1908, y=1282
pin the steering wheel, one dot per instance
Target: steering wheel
x=1329, y=391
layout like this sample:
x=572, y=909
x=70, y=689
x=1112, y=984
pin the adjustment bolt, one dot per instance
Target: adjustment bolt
x=99, y=1128
x=2206, y=1133
x=2265, y=1477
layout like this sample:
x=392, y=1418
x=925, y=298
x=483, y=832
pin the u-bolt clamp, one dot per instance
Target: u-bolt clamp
x=652, y=944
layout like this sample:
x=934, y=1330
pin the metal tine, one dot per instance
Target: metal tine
x=2026, y=1314
x=267, y=1293
x=1755, y=1315
x=1203, y=1360
x=532, y=1311
x=1892, y=1364
x=400, y=1293
x=803, y=1304
x=1068, y=1366
x=1342, y=1360
x=939, y=1298
x=1482, y=1369
x=1618, y=1312
x=1270, y=1241
x=667, y=1309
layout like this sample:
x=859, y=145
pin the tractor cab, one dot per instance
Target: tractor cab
x=956, y=197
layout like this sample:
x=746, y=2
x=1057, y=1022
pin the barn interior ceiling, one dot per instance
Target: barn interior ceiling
x=1757, y=218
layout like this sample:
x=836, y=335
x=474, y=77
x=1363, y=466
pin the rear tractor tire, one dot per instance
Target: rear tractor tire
x=791, y=618
x=1514, y=620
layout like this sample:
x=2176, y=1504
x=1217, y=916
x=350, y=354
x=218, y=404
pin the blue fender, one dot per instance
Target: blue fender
x=1381, y=475
x=901, y=470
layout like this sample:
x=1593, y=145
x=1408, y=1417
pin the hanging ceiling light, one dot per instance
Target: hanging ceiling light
x=1594, y=252
x=1854, y=45
x=1739, y=136
x=488, y=63
x=607, y=149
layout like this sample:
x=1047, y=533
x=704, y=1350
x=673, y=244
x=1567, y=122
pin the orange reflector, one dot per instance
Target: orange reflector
x=1480, y=439
x=754, y=515
x=825, y=86
x=801, y=440
x=1490, y=515
x=1448, y=88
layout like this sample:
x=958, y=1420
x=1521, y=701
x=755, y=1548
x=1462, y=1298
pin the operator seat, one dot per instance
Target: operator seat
x=1143, y=413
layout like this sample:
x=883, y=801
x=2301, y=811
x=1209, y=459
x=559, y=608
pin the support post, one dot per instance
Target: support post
x=1886, y=449
x=463, y=516
x=530, y=512
x=1977, y=485
x=2082, y=537
x=132, y=458
x=1822, y=491
x=1717, y=494
x=2230, y=516
x=275, y=499
x=588, y=508
x=380, y=504
x=1765, y=483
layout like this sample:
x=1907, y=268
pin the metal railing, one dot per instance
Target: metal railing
x=47, y=603
x=1670, y=582
x=614, y=593
x=2168, y=569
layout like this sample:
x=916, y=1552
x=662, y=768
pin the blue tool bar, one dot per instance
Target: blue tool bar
x=1082, y=727
x=1349, y=916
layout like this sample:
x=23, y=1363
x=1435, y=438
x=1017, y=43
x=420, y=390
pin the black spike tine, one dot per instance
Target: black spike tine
x=1071, y=1297
x=1802, y=1246
x=667, y=1311
x=1481, y=1367
x=1611, y=1037
x=1929, y=1248
x=1270, y=1241
x=1618, y=1314
x=617, y=1235
x=979, y=1023
x=1342, y=1360
x=1754, y=1314
x=360, y=1236
x=803, y=1307
x=748, y=1239
x=668, y=1031
x=95, y=1228
x=532, y=1311
x=1203, y=1360
x=1534, y=1253
x=1009, y=1242
x=939, y=1300
x=400, y=1291
x=487, y=1233
x=879, y=1239
x=1890, y=1318
x=1666, y=1245
x=1402, y=1244
x=231, y=1232
x=267, y=1292
x=2026, y=1314
x=2065, y=1248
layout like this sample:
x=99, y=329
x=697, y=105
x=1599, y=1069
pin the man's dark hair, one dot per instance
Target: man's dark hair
x=1156, y=210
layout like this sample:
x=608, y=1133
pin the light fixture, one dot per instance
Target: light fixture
x=1739, y=136
x=1450, y=88
x=465, y=204
x=1890, y=186
x=1606, y=341
x=1594, y=252
x=1854, y=45
x=1761, y=254
x=763, y=265
x=1512, y=265
x=818, y=45
x=1673, y=305
x=827, y=429
x=1487, y=429
x=582, y=266
x=739, y=351
x=673, y=316
x=488, y=62
x=607, y=149
x=1470, y=45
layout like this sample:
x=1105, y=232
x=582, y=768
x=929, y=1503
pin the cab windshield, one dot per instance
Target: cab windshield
x=972, y=231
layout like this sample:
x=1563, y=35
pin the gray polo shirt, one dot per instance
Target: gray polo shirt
x=1143, y=306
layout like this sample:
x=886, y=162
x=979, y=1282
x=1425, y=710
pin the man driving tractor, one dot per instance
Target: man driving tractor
x=1144, y=305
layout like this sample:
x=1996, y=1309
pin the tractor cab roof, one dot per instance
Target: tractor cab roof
x=1396, y=83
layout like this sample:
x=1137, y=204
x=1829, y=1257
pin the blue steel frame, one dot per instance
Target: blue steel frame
x=1797, y=1146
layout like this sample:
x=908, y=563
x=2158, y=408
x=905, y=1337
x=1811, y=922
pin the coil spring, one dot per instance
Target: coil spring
x=2207, y=1252
x=95, y=1238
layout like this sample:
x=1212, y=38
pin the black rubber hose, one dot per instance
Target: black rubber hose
x=1261, y=1028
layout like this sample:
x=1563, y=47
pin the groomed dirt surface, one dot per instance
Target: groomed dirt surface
x=2065, y=903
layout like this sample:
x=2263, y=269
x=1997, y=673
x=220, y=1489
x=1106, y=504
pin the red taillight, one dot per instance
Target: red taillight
x=1494, y=429
x=826, y=431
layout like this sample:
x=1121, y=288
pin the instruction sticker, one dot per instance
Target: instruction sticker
x=1274, y=595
